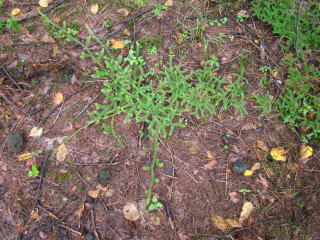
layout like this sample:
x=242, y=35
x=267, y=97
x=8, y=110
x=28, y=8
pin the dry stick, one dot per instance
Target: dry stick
x=85, y=107
x=5, y=71
x=57, y=4
x=24, y=44
x=56, y=107
x=43, y=228
x=43, y=169
x=62, y=222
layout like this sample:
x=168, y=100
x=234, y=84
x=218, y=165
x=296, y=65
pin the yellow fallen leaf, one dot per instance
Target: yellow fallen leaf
x=44, y=3
x=220, y=223
x=62, y=153
x=123, y=11
x=36, y=132
x=117, y=44
x=25, y=156
x=246, y=211
x=169, y=3
x=233, y=223
x=94, y=8
x=247, y=173
x=278, y=154
x=209, y=155
x=131, y=212
x=79, y=211
x=96, y=192
x=58, y=98
x=15, y=11
x=305, y=152
x=261, y=145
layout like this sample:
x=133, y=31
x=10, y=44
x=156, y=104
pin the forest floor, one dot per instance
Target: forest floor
x=82, y=195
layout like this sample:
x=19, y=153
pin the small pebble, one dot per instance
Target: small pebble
x=104, y=175
x=15, y=142
x=239, y=166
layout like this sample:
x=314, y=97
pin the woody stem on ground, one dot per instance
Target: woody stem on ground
x=153, y=164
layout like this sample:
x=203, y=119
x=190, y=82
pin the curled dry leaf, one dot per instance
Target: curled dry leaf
x=182, y=236
x=211, y=165
x=305, y=153
x=117, y=44
x=225, y=224
x=261, y=145
x=256, y=167
x=58, y=98
x=36, y=132
x=126, y=32
x=278, y=154
x=130, y=212
x=94, y=193
x=154, y=219
x=123, y=11
x=233, y=197
x=79, y=211
x=25, y=156
x=15, y=11
x=263, y=181
x=44, y=3
x=209, y=155
x=62, y=153
x=94, y=8
x=169, y=3
x=246, y=211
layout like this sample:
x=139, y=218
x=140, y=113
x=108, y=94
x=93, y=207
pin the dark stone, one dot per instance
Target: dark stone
x=15, y=142
x=239, y=166
x=89, y=236
x=104, y=175
x=2, y=190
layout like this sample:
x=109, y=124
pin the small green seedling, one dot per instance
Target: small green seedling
x=37, y=153
x=158, y=8
x=14, y=25
x=155, y=204
x=241, y=18
x=244, y=191
x=225, y=147
x=218, y=22
x=34, y=171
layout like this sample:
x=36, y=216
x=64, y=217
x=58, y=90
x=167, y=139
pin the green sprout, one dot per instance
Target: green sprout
x=34, y=171
x=155, y=204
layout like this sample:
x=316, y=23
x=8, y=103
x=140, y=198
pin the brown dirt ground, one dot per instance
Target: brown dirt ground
x=285, y=195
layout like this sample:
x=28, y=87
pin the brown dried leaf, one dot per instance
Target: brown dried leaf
x=62, y=153
x=123, y=11
x=256, y=167
x=263, y=181
x=233, y=197
x=130, y=212
x=246, y=211
x=261, y=145
x=169, y=3
x=211, y=165
x=58, y=98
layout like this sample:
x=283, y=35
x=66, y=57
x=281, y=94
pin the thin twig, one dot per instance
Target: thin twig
x=55, y=5
x=43, y=170
x=85, y=107
x=56, y=107
x=5, y=71
x=31, y=235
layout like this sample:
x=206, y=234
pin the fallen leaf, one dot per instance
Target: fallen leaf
x=123, y=11
x=278, y=154
x=25, y=156
x=73, y=79
x=44, y=3
x=233, y=197
x=220, y=223
x=58, y=98
x=15, y=11
x=154, y=219
x=233, y=223
x=94, y=8
x=305, y=153
x=62, y=153
x=80, y=210
x=48, y=39
x=211, y=165
x=169, y=3
x=117, y=44
x=261, y=145
x=179, y=37
x=242, y=12
x=182, y=236
x=246, y=211
x=256, y=167
x=247, y=173
x=36, y=132
x=96, y=192
x=126, y=32
x=130, y=212
x=209, y=155
x=263, y=181
x=249, y=126
x=110, y=193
